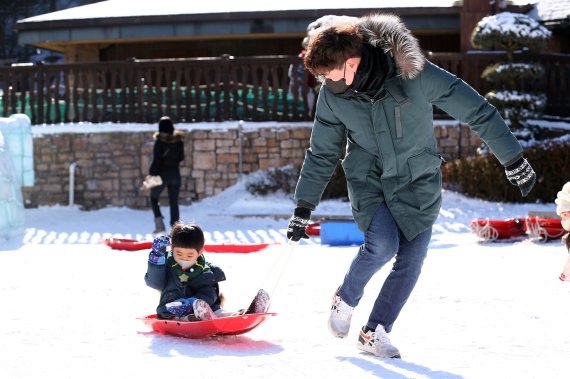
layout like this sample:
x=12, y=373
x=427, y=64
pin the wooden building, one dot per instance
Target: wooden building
x=149, y=29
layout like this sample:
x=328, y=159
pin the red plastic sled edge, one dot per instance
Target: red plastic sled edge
x=235, y=248
x=233, y=325
x=314, y=229
x=127, y=244
x=132, y=245
x=544, y=228
x=535, y=227
x=498, y=229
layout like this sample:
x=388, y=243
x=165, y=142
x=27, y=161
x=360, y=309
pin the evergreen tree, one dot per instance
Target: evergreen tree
x=513, y=32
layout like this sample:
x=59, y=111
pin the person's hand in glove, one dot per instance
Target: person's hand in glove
x=521, y=174
x=160, y=246
x=181, y=307
x=298, y=224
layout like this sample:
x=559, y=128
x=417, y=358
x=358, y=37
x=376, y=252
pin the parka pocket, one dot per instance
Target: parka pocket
x=425, y=175
x=356, y=165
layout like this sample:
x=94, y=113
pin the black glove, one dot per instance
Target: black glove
x=522, y=175
x=298, y=224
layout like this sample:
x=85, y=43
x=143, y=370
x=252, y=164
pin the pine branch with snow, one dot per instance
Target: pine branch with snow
x=510, y=31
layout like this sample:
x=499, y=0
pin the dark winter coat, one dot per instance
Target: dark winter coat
x=391, y=154
x=165, y=279
x=167, y=153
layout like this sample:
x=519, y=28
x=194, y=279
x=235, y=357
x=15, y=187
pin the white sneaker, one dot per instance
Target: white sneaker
x=341, y=314
x=377, y=342
x=202, y=310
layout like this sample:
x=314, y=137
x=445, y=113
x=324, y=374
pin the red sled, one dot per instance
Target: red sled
x=236, y=248
x=133, y=245
x=223, y=326
x=544, y=228
x=127, y=244
x=314, y=229
x=491, y=230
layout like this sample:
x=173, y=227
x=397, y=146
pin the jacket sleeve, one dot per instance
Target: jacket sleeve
x=463, y=103
x=181, y=156
x=219, y=275
x=157, y=153
x=206, y=287
x=323, y=155
x=155, y=276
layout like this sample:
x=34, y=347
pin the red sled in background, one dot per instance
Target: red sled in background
x=544, y=229
x=133, y=245
x=492, y=230
x=223, y=326
x=536, y=228
x=314, y=229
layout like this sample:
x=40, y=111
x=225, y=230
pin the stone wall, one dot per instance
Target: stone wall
x=110, y=166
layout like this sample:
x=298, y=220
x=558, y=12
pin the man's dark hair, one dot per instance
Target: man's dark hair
x=331, y=47
x=189, y=236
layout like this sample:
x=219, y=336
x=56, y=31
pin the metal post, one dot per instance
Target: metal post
x=240, y=144
x=72, y=183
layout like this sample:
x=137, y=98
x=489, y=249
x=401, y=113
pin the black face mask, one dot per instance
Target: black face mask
x=338, y=86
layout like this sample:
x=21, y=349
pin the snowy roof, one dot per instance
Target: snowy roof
x=125, y=8
x=115, y=21
x=547, y=11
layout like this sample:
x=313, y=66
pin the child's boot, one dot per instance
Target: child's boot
x=260, y=303
x=202, y=310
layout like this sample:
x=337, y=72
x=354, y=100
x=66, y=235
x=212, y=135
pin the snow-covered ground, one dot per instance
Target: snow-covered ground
x=480, y=310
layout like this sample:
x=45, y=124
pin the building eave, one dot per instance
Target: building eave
x=47, y=34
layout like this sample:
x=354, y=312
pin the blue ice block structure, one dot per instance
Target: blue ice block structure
x=17, y=132
x=16, y=170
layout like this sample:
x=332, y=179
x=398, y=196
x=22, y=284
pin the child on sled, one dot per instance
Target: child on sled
x=188, y=284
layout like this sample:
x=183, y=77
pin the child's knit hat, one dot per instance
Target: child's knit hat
x=563, y=199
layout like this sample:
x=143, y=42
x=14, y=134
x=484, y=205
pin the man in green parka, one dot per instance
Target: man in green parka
x=378, y=94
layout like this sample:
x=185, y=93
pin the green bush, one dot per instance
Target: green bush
x=518, y=106
x=511, y=73
x=285, y=178
x=272, y=180
x=483, y=177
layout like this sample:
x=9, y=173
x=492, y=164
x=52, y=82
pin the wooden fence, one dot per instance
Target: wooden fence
x=211, y=89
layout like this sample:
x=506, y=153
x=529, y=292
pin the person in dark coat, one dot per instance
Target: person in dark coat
x=167, y=154
x=188, y=284
x=378, y=95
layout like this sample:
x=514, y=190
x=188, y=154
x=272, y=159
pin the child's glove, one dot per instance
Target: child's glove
x=160, y=245
x=181, y=307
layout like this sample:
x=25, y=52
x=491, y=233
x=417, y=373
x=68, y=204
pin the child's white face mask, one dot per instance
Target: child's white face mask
x=184, y=264
x=185, y=257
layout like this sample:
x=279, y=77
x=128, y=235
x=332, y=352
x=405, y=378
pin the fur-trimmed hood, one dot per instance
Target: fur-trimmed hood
x=169, y=138
x=389, y=32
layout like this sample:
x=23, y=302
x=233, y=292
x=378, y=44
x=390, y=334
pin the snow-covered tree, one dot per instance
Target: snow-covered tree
x=511, y=32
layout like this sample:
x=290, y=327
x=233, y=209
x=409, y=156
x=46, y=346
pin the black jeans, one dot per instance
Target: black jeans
x=171, y=181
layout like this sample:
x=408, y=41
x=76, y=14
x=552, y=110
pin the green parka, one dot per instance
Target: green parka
x=391, y=153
